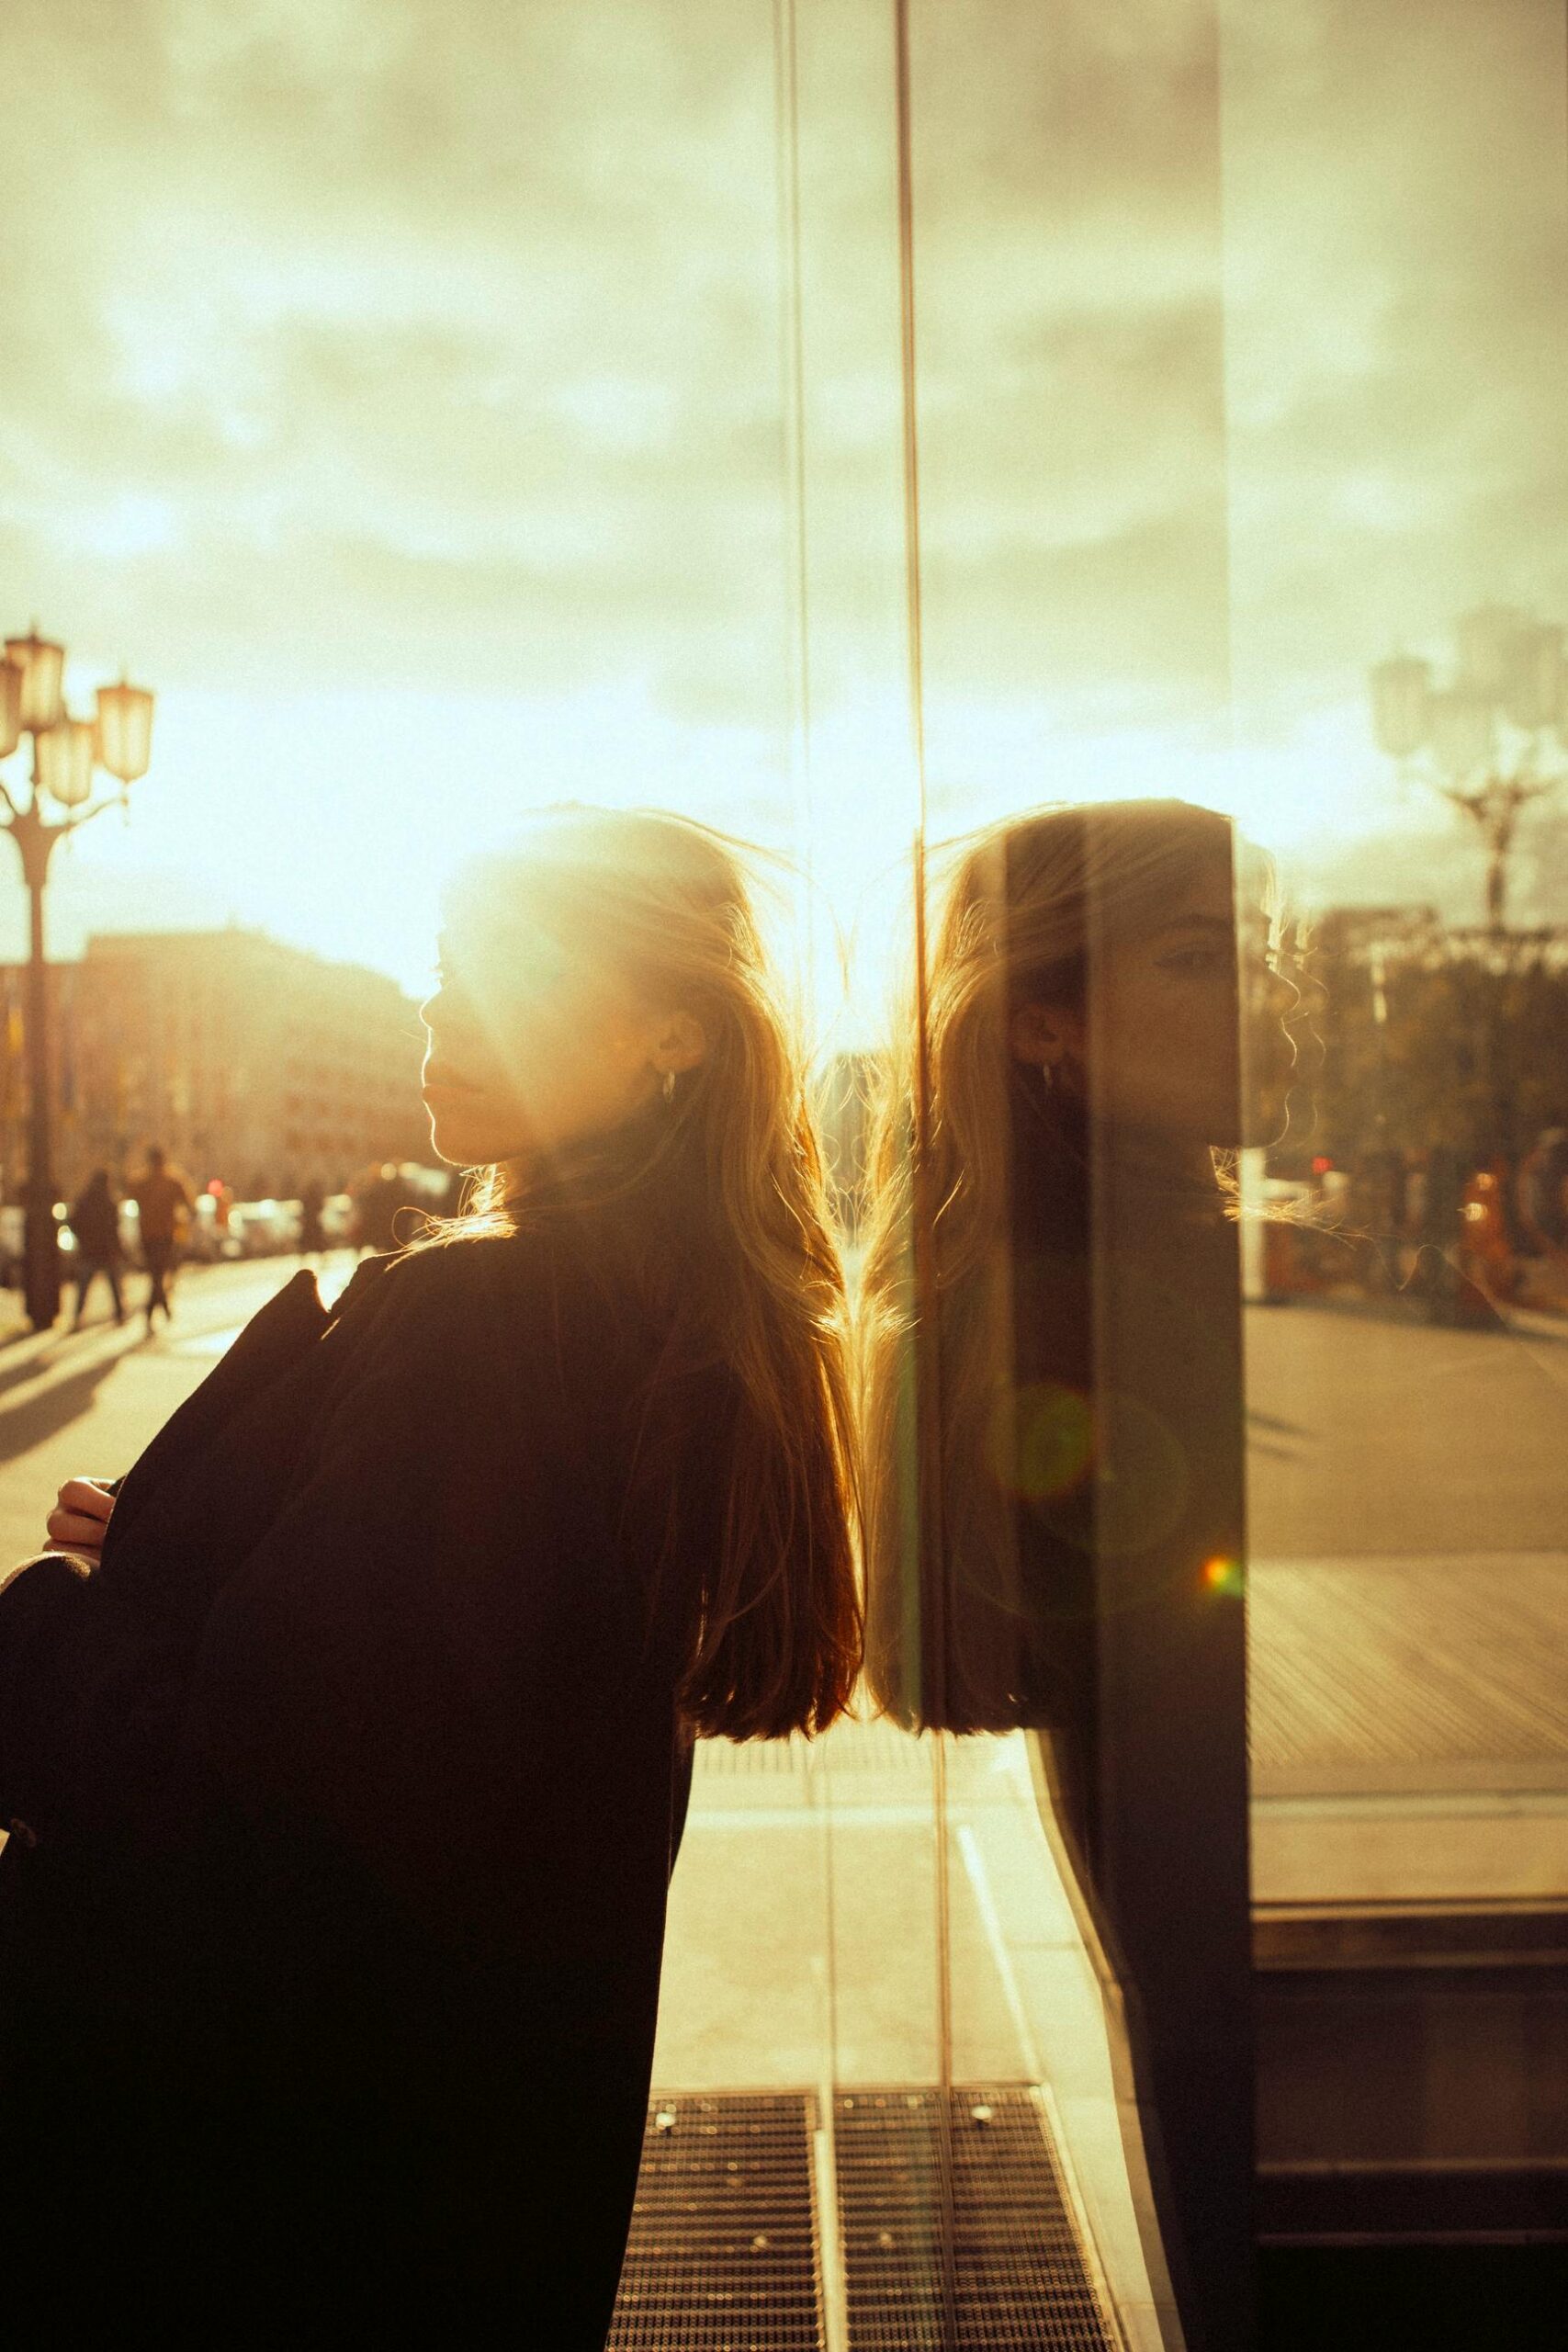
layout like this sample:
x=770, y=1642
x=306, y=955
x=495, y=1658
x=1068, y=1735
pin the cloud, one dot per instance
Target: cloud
x=344, y=292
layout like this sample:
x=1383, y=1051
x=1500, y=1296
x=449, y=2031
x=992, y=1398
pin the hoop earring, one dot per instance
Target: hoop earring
x=668, y=1087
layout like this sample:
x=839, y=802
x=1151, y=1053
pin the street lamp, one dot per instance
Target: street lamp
x=1493, y=741
x=65, y=750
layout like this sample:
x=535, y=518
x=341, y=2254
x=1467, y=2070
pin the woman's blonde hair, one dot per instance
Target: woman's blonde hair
x=663, y=903
x=1023, y=906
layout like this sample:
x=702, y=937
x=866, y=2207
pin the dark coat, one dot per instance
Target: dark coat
x=330, y=1985
x=94, y=1221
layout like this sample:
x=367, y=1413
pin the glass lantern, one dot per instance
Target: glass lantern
x=65, y=754
x=125, y=730
x=42, y=666
x=11, y=676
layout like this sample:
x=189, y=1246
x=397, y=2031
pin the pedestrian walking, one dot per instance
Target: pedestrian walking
x=1542, y=1192
x=330, y=1958
x=313, y=1240
x=94, y=1221
x=1440, y=1276
x=162, y=1204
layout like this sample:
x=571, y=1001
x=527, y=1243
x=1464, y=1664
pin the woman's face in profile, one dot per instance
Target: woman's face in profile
x=1178, y=1051
x=529, y=1046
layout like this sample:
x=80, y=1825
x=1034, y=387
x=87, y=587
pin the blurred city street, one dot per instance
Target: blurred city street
x=84, y=1404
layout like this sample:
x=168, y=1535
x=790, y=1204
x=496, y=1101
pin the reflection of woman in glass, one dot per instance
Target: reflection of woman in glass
x=1084, y=1056
x=1051, y=1393
x=417, y=1637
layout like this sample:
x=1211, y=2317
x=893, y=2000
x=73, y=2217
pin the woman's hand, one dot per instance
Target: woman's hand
x=80, y=1517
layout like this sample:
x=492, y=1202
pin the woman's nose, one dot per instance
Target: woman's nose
x=438, y=1008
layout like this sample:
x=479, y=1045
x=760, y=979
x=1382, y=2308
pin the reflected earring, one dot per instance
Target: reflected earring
x=1047, y=1072
x=668, y=1089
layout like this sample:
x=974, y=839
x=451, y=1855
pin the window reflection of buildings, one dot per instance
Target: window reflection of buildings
x=1425, y=1043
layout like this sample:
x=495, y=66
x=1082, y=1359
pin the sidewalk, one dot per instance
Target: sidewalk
x=816, y=1944
x=25, y=1353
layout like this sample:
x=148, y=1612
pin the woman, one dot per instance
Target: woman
x=433, y=1620
x=1055, y=1412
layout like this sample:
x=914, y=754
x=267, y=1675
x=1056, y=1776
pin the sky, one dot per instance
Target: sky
x=399, y=391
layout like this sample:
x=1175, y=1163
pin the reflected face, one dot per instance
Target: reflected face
x=529, y=1046
x=1177, y=1051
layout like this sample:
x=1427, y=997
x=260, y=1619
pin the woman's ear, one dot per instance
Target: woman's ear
x=1036, y=1034
x=680, y=1043
x=1051, y=1038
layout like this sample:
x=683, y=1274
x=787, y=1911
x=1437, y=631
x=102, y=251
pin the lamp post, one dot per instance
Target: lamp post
x=1493, y=741
x=65, y=751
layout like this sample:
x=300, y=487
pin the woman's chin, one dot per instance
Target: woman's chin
x=460, y=1142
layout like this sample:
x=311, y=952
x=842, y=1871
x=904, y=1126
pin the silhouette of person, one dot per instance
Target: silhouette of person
x=1542, y=1191
x=161, y=1202
x=414, y=1611
x=94, y=1221
x=313, y=1240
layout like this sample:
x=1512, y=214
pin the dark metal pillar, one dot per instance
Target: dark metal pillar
x=36, y=840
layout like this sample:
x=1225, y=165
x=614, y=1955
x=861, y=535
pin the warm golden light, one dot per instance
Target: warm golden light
x=65, y=761
x=42, y=666
x=11, y=675
x=125, y=730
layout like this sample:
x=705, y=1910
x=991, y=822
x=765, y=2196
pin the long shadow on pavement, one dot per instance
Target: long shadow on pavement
x=51, y=1354
x=63, y=1401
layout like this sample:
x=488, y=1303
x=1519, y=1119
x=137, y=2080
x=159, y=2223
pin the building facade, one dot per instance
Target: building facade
x=252, y=1063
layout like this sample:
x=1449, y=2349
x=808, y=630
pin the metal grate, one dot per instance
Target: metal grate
x=1017, y=2273
x=722, y=2256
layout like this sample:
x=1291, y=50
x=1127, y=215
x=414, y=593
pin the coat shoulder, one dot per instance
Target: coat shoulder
x=511, y=1308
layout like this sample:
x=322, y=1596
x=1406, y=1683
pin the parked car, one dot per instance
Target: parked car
x=337, y=1220
x=262, y=1228
x=204, y=1237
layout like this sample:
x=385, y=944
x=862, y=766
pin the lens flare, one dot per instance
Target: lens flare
x=1052, y=1433
x=1222, y=1573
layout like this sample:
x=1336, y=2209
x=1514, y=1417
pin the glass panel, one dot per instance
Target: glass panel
x=1396, y=317
x=806, y=1949
x=1052, y=1284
